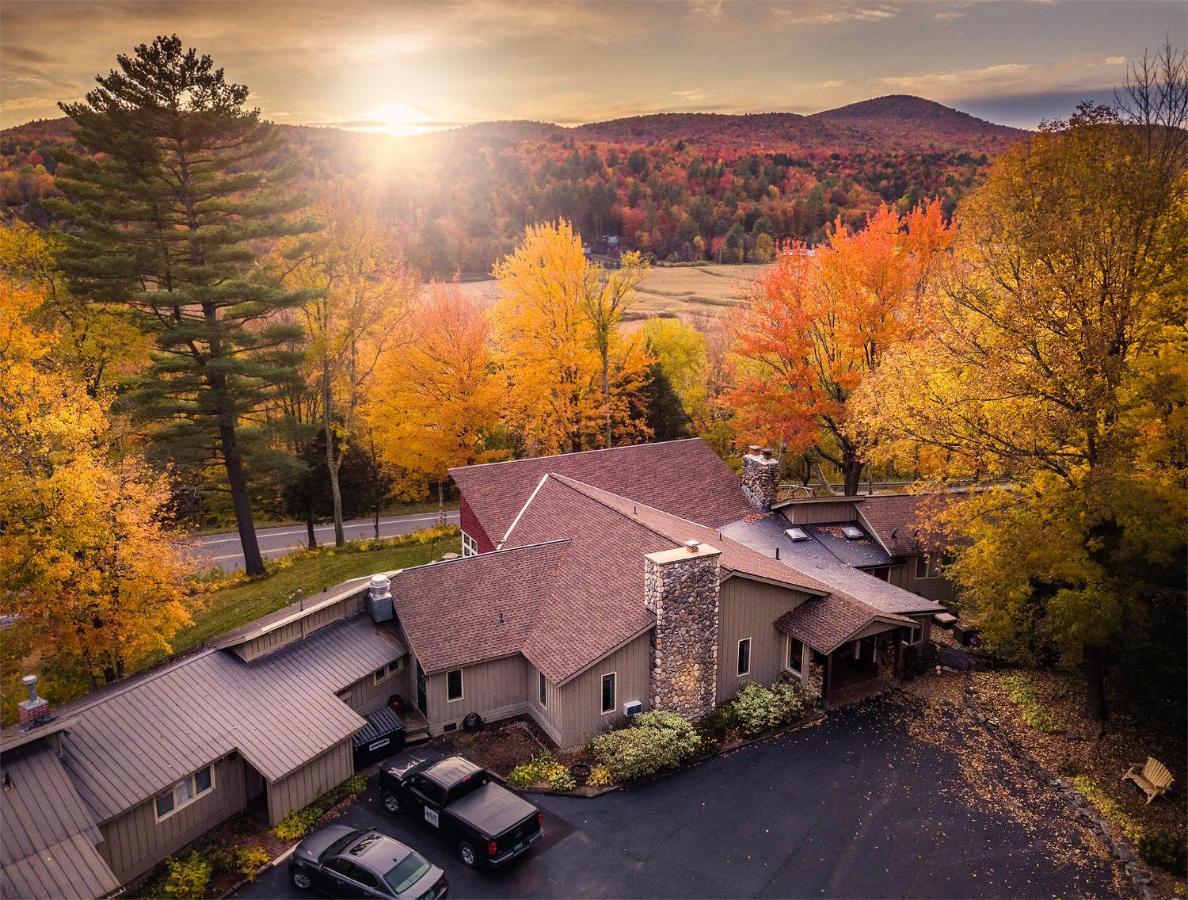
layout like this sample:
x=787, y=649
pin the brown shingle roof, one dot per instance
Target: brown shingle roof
x=685, y=478
x=899, y=521
x=50, y=838
x=825, y=623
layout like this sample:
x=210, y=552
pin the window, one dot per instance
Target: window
x=883, y=573
x=469, y=545
x=795, y=653
x=928, y=566
x=796, y=534
x=852, y=532
x=185, y=792
x=454, y=685
x=395, y=667
x=608, y=693
x=540, y=684
x=744, y=657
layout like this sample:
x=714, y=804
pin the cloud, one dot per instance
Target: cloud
x=927, y=81
x=832, y=14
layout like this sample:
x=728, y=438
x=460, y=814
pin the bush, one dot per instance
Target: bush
x=1166, y=850
x=187, y=878
x=656, y=741
x=1035, y=715
x=248, y=860
x=757, y=709
x=300, y=821
x=542, y=769
x=600, y=776
x=717, y=724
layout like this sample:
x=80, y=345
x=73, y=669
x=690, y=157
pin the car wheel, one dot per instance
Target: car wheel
x=301, y=880
x=392, y=803
x=466, y=851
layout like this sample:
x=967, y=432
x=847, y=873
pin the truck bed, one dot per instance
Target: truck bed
x=492, y=809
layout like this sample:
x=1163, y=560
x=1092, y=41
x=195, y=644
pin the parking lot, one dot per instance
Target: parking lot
x=876, y=802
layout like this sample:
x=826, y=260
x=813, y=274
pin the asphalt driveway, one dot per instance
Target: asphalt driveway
x=876, y=802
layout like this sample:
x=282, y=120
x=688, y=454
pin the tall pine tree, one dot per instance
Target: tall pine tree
x=167, y=213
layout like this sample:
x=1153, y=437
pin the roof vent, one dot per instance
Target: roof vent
x=379, y=599
x=692, y=546
x=852, y=532
x=796, y=534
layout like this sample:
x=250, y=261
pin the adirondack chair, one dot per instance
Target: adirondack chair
x=1153, y=778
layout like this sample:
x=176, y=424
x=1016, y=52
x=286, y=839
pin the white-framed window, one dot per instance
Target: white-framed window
x=453, y=685
x=383, y=673
x=609, y=690
x=469, y=545
x=744, y=657
x=541, y=686
x=795, y=654
x=185, y=792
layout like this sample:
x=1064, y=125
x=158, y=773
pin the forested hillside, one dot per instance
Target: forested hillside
x=680, y=187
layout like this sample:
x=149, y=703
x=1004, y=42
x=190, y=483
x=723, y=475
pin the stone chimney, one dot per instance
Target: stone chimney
x=681, y=588
x=761, y=477
x=35, y=710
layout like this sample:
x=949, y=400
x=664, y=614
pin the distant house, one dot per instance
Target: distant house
x=593, y=585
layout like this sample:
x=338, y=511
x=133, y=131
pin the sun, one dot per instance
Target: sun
x=400, y=119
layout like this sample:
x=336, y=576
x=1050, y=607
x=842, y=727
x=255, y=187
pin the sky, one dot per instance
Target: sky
x=412, y=67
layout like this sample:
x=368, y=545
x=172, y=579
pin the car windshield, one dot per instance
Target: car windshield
x=339, y=845
x=407, y=872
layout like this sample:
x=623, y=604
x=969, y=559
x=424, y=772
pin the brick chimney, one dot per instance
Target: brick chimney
x=761, y=477
x=35, y=710
x=681, y=588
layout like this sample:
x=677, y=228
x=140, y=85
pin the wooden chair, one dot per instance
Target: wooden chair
x=1153, y=778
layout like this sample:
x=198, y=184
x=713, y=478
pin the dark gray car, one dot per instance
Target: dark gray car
x=347, y=862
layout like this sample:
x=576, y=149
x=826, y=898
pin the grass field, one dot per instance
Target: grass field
x=687, y=292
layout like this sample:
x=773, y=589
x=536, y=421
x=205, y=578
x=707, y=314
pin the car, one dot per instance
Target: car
x=488, y=824
x=357, y=862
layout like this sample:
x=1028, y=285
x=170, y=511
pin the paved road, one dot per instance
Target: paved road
x=226, y=552
x=867, y=805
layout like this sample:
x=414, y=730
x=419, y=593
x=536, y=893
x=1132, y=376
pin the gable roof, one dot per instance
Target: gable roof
x=825, y=623
x=127, y=744
x=898, y=521
x=50, y=838
x=684, y=477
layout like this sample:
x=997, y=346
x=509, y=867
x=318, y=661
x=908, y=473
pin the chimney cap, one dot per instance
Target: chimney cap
x=28, y=680
x=692, y=546
x=752, y=448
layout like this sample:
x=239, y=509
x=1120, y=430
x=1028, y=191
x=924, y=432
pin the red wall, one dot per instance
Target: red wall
x=470, y=524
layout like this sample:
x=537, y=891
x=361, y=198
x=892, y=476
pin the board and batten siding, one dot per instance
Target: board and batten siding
x=749, y=609
x=365, y=696
x=301, y=628
x=817, y=513
x=306, y=784
x=575, y=708
x=493, y=689
x=135, y=841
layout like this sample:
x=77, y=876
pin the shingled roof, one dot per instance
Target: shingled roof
x=899, y=521
x=685, y=478
x=825, y=623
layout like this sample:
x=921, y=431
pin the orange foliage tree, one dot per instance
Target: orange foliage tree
x=818, y=323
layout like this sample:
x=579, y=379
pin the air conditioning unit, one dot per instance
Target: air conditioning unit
x=632, y=708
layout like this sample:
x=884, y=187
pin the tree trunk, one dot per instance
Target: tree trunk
x=441, y=517
x=253, y=562
x=377, y=512
x=610, y=439
x=332, y=457
x=1095, y=686
x=309, y=527
x=851, y=471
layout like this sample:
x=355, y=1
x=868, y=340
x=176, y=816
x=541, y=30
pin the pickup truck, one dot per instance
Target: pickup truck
x=488, y=824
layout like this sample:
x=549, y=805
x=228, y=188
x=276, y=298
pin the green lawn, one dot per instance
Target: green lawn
x=309, y=573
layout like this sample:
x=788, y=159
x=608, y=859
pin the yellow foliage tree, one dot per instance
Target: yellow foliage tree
x=681, y=351
x=553, y=318
x=85, y=563
x=435, y=403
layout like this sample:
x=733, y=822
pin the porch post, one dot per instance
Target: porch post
x=827, y=680
x=898, y=656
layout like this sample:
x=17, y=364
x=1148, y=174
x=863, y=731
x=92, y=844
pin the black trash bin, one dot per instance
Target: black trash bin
x=382, y=736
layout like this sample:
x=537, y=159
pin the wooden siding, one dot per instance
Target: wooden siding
x=815, y=513
x=309, y=782
x=469, y=523
x=575, y=709
x=749, y=610
x=365, y=696
x=494, y=690
x=135, y=842
x=301, y=628
x=938, y=589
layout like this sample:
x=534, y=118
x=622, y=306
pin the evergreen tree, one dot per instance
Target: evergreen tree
x=662, y=408
x=166, y=214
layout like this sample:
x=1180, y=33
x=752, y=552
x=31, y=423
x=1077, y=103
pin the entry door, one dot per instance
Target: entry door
x=422, y=690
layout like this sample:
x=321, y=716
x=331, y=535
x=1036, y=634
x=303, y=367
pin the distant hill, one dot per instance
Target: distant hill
x=680, y=186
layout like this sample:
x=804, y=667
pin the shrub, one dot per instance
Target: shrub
x=1166, y=850
x=248, y=860
x=299, y=821
x=600, y=776
x=757, y=710
x=542, y=769
x=717, y=724
x=656, y=741
x=187, y=878
x=1035, y=715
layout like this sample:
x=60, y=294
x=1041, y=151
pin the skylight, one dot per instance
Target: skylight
x=796, y=534
x=852, y=532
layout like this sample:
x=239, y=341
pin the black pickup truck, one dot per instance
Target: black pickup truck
x=489, y=824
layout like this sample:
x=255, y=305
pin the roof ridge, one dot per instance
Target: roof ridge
x=577, y=486
x=505, y=462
